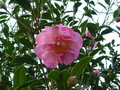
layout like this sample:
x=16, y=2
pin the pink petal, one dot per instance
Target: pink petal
x=75, y=40
x=60, y=25
x=39, y=50
x=68, y=58
x=78, y=39
x=47, y=28
x=75, y=48
x=50, y=59
x=95, y=44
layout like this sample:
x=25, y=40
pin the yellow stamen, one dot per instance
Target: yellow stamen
x=61, y=46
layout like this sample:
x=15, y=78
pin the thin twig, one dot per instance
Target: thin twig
x=46, y=82
x=106, y=16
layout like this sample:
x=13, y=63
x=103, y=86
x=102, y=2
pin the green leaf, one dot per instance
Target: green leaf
x=65, y=75
x=25, y=4
x=26, y=42
x=24, y=24
x=80, y=66
x=3, y=17
x=95, y=52
x=2, y=13
x=19, y=77
x=107, y=2
x=117, y=13
x=99, y=59
x=60, y=78
x=47, y=16
x=91, y=2
x=25, y=27
x=118, y=27
x=87, y=12
x=62, y=82
x=57, y=13
x=73, y=23
x=16, y=10
x=43, y=24
x=87, y=1
x=102, y=5
x=31, y=82
x=109, y=30
x=57, y=6
x=54, y=75
x=76, y=6
x=93, y=28
x=24, y=59
x=84, y=26
x=6, y=30
x=3, y=21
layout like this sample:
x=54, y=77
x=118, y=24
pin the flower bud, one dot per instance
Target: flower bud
x=117, y=19
x=72, y=81
x=95, y=72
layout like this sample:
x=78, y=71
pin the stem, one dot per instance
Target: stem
x=37, y=25
x=38, y=17
x=46, y=82
x=81, y=19
x=107, y=13
x=81, y=80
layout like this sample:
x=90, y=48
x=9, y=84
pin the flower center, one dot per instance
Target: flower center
x=61, y=46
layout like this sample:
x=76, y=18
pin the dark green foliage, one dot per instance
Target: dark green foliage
x=81, y=65
x=93, y=28
x=25, y=4
x=22, y=20
x=107, y=2
x=19, y=76
x=24, y=59
x=76, y=6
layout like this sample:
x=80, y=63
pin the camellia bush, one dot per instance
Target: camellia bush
x=59, y=45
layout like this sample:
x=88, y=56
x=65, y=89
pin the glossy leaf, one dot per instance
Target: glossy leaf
x=93, y=28
x=24, y=59
x=76, y=6
x=99, y=59
x=109, y=30
x=95, y=52
x=107, y=2
x=84, y=26
x=80, y=66
x=54, y=75
x=26, y=42
x=19, y=76
x=32, y=82
x=6, y=30
x=2, y=13
x=102, y=5
x=25, y=4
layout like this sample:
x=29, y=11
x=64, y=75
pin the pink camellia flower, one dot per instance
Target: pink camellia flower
x=117, y=19
x=96, y=72
x=88, y=34
x=58, y=45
